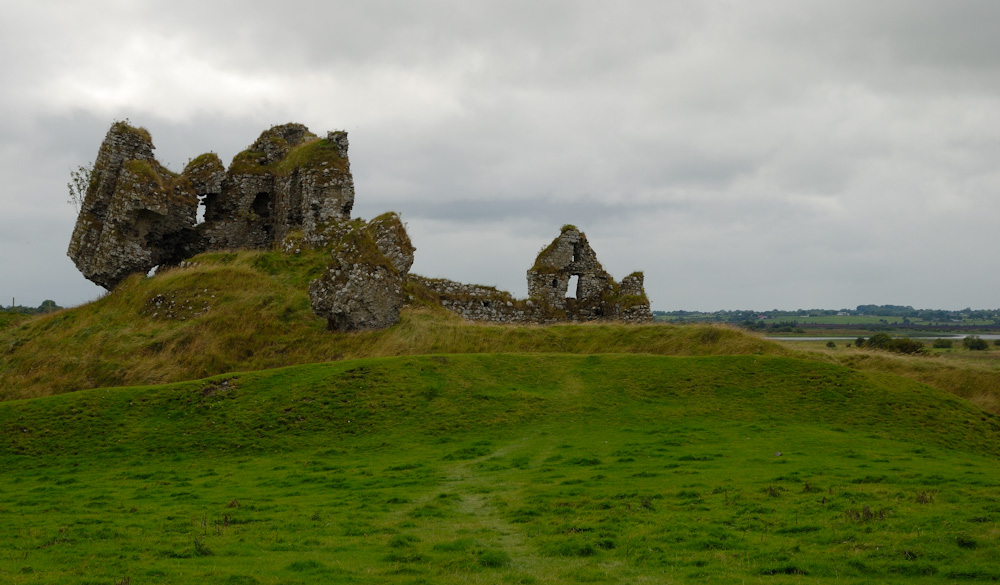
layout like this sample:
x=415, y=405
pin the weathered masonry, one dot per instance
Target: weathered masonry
x=597, y=295
x=291, y=190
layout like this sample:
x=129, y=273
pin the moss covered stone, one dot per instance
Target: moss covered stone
x=135, y=215
x=361, y=289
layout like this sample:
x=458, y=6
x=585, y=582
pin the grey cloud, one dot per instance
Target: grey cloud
x=785, y=153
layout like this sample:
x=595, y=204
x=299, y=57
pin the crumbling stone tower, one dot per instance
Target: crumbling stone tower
x=289, y=190
x=136, y=214
x=287, y=181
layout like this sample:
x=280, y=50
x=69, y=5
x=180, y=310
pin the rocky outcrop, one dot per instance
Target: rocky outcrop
x=136, y=214
x=361, y=288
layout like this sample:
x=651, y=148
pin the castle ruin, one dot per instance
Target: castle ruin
x=292, y=189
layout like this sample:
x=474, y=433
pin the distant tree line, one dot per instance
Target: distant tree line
x=928, y=314
x=777, y=318
x=47, y=306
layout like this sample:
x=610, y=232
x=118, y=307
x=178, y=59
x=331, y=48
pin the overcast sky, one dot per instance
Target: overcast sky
x=767, y=154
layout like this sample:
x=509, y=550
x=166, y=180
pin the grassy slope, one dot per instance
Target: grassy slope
x=504, y=468
x=975, y=376
x=258, y=317
x=250, y=311
x=8, y=320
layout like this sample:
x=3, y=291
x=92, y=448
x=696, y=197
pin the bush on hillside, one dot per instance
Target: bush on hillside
x=885, y=342
x=942, y=344
x=975, y=343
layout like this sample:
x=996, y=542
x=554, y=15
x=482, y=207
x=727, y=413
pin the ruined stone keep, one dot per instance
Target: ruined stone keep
x=289, y=189
x=292, y=189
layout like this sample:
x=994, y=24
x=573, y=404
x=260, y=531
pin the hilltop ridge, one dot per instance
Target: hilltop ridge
x=250, y=310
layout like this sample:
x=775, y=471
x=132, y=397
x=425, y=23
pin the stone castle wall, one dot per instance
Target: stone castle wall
x=292, y=189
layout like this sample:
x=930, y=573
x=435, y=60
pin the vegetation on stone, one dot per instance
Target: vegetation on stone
x=292, y=190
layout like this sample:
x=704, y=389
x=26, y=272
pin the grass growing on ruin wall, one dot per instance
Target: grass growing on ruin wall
x=311, y=154
x=503, y=469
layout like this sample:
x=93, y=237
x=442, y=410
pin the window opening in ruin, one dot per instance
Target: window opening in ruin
x=555, y=282
x=262, y=209
x=208, y=208
x=200, y=214
x=572, y=291
x=262, y=205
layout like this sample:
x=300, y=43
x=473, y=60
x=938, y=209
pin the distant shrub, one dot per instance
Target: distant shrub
x=831, y=344
x=878, y=341
x=996, y=342
x=885, y=342
x=975, y=343
x=942, y=344
x=906, y=345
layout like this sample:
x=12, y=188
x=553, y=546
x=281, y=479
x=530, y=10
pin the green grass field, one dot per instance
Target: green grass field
x=527, y=468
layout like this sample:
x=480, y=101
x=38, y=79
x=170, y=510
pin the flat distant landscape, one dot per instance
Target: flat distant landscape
x=863, y=320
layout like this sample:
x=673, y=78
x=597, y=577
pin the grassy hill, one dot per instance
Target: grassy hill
x=203, y=426
x=250, y=311
x=527, y=468
x=972, y=375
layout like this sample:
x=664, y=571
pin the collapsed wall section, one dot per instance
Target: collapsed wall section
x=362, y=288
x=135, y=215
x=481, y=303
x=289, y=180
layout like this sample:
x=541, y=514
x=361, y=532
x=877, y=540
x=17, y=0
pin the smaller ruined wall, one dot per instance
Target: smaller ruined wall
x=597, y=295
x=481, y=303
